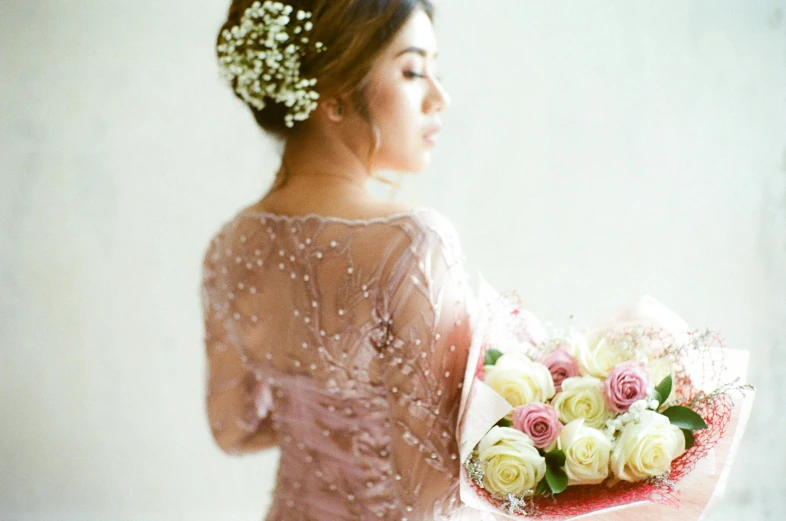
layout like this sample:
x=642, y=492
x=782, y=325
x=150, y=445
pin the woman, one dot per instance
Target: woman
x=337, y=326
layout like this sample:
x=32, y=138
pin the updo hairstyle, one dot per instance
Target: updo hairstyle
x=354, y=32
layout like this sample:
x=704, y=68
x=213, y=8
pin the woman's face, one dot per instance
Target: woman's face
x=405, y=97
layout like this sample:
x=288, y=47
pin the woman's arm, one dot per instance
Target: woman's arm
x=238, y=405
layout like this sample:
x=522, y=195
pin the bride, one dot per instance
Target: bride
x=337, y=325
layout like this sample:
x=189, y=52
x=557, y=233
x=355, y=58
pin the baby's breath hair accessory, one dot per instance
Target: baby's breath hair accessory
x=262, y=54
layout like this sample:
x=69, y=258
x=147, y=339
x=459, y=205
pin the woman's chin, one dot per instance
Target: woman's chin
x=413, y=167
x=424, y=160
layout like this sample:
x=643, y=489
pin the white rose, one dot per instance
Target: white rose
x=599, y=354
x=519, y=380
x=659, y=369
x=587, y=451
x=514, y=464
x=582, y=397
x=646, y=448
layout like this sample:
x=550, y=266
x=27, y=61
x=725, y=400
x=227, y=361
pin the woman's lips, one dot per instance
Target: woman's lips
x=431, y=135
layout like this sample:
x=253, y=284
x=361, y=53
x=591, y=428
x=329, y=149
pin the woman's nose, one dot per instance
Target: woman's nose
x=440, y=99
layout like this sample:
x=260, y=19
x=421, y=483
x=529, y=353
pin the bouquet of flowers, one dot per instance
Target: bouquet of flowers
x=564, y=423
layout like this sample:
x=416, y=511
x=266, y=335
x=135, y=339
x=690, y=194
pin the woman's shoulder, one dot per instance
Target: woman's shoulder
x=416, y=222
x=347, y=211
x=398, y=225
x=355, y=214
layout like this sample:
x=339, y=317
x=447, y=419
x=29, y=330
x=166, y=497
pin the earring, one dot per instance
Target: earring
x=340, y=110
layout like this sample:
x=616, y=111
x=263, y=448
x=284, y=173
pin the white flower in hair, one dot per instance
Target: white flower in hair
x=262, y=57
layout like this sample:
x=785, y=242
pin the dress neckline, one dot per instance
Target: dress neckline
x=326, y=218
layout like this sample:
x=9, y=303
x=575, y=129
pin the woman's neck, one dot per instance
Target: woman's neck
x=323, y=161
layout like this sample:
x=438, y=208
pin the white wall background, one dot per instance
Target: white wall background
x=594, y=152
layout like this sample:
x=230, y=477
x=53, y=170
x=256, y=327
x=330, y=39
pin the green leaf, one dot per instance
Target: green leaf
x=542, y=487
x=504, y=422
x=557, y=480
x=664, y=389
x=689, y=439
x=684, y=418
x=491, y=357
x=555, y=458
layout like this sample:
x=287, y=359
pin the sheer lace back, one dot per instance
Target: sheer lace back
x=344, y=343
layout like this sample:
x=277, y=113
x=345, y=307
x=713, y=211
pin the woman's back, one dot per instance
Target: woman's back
x=344, y=342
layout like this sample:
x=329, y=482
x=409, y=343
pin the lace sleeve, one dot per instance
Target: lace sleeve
x=238, y=404
x=423, y=366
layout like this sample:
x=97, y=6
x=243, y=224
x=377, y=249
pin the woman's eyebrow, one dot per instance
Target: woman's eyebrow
x=417, y=50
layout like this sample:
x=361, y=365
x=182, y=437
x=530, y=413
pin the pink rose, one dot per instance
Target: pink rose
x=627, y=382
x=538, y=421
x=561, y=365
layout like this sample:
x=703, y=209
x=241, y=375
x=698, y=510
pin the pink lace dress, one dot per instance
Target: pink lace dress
x=344, y=343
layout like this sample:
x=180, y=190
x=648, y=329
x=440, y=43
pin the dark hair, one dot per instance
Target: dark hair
x=354, y=32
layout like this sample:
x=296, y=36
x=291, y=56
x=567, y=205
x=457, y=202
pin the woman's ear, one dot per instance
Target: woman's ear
x=334, y=108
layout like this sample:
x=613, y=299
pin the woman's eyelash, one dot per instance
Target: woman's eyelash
x=413, y=74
